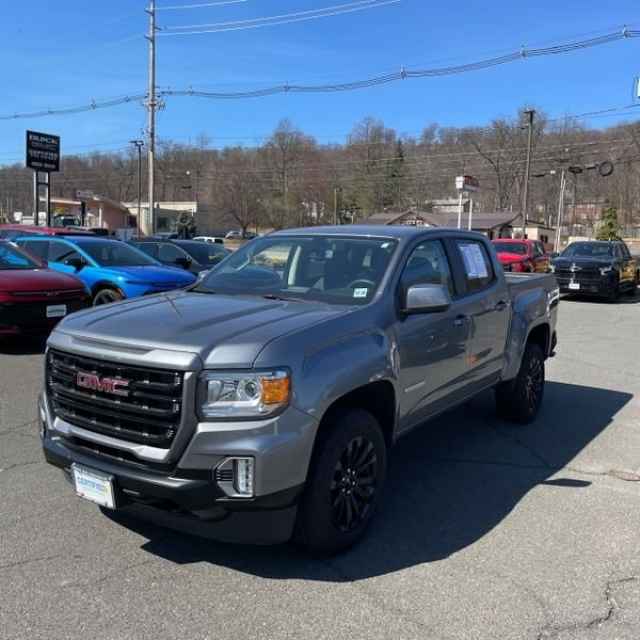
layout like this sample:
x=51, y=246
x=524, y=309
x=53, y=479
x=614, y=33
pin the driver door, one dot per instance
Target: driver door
x=432, y=346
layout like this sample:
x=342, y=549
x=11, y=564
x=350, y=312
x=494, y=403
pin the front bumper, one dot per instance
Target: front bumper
x=30, y=318
x=185, y=497
x=592, y=285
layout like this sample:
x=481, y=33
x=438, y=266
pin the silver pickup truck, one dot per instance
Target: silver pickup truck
x=262, y=403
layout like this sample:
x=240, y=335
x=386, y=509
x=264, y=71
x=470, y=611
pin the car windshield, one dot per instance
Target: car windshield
x=205, y=253
x=588, y=250
x=113, y=253
x=511, y=247
x=14, y=259
x=320, y=268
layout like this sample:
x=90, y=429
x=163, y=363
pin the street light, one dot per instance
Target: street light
x=139, y=144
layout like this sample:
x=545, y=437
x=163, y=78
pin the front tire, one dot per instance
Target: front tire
x=519, y=400
x=107, y=296
x=344, y=485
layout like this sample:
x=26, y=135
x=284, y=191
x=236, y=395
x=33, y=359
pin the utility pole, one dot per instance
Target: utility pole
x=530, y=113
x=138, y=144
x=563, y=184
x=149, y=224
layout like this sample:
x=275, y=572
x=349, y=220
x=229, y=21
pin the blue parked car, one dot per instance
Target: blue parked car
x=111, y=269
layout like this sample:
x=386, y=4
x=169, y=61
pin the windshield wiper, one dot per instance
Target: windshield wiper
x=274, y=296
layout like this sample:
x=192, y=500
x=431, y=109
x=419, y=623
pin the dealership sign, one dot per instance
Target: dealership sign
x=43, y=152
x=467, y=184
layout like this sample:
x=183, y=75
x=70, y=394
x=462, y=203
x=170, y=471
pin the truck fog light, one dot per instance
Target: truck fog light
x=235, y=476
x=244, y=476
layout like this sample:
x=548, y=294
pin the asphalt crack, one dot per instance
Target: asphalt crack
x=17, y=465
x=26, y=561
x=612, y=607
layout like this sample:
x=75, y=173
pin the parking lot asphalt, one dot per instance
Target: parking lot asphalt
x=487, y=530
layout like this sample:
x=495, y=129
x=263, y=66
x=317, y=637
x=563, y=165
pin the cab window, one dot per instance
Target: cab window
x=428, y=264
x=170, y=253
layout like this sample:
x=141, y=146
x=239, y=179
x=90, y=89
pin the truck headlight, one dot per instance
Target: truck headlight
x=244, y=394
x=605, y=270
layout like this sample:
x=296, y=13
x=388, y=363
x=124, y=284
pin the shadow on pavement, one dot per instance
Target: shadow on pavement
x=450, y=483
x=23, y=345
x=623, y=299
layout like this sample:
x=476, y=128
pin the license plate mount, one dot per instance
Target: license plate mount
x=56, y=310
x=95, y=486
x=574, y=286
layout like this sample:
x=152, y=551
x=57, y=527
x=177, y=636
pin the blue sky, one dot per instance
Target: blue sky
x=62, y=53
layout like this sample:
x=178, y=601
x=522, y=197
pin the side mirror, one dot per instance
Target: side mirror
x=77, y=263
x=183, y=262
x=425, y=298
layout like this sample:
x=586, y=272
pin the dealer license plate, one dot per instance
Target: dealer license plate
x=56, y=310
x=93, y=485
x=574, y=285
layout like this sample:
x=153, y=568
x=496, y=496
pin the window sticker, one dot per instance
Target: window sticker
x=360, y=293
x=474, y=263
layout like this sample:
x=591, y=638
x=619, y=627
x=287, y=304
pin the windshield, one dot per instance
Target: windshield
x=113, y=253
x=511, y=247
x=329, y=269
x=206, y=253
x=13, y=259
x=588, y=250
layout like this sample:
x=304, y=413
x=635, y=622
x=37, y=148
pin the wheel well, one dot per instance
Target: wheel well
x=378, y=398
x=540, y=336
x=98, y=286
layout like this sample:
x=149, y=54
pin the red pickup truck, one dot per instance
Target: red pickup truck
x=522, y=256
x=33, y=298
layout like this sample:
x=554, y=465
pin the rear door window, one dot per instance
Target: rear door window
x=38, y=248
x=478, y=270
x=60, y=251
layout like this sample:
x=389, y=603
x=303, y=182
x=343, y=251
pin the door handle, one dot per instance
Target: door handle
x=459, y=321
x=501, y=306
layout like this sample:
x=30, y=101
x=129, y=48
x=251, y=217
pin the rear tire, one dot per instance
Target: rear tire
x=519, y=400
x=344, y=485
x=107, y=295
x=632, y=290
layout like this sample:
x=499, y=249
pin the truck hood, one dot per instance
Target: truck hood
x=224, y=331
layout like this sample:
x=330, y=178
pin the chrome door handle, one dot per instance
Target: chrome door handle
x=459, y=321
x=501, y=306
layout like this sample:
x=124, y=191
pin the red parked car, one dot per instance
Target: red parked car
x=33, y=298
x=11, y=231
x=522, y=256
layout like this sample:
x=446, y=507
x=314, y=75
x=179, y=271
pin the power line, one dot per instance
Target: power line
x=403, y=74
x=285, y=18
x=200, y=5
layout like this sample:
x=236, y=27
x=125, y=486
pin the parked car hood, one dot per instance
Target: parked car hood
x=225, y=331
x=153, y=274
x=507, y=258
x=37, y=280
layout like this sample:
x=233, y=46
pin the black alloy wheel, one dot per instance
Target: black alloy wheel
x=354, y=484
x=344, y=484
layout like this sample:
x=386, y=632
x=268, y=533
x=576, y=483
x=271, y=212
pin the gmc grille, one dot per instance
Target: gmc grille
x=150, y=414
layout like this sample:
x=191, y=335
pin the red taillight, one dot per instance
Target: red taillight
x=518, y=267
